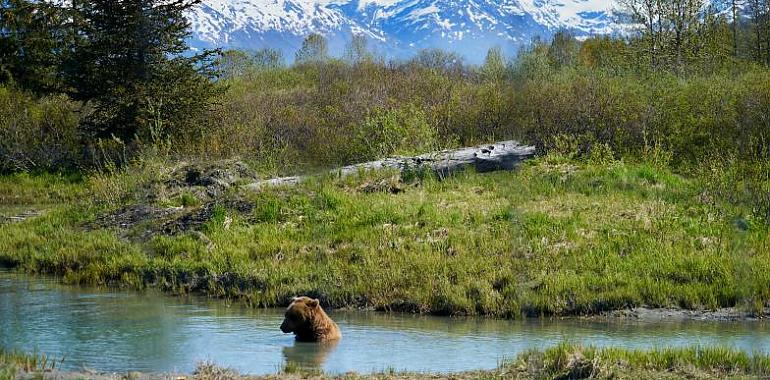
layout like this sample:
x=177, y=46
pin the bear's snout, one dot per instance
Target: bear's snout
x=285, y=327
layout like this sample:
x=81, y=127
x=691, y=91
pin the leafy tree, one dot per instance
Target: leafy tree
x=494, y=65
x=673, y=32
x=714, y=44
x=314, y=49
x=357, y=50
x=532, y=63
x=234, y=63
x=683, y=20
x=268, y=58
x=759, y=13
x=648, y=14
x=563, y=50
x=438, y=59
x=735, y=7
x=605, y=52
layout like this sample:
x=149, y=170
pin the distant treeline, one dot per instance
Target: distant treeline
x=109, y=82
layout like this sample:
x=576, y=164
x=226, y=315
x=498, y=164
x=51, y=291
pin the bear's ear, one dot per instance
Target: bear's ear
x=312, y=303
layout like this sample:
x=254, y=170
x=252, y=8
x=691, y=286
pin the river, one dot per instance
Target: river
x=118, y=331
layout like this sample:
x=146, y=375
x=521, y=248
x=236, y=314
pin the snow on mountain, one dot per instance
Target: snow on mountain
x=394, y=27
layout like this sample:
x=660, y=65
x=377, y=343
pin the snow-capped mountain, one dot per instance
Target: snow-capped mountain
x=394, y=27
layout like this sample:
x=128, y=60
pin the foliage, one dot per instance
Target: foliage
x=494, y=69
x=439, y=60
x=234, y=63
x=126, y=60
x=563, y=49
x=357, y=50
x=268, y=58
x=569, y=361
x=37, y=134
x=693, y=102
x=130, y=61
x=32, y=44
x=12, y=363
x=402, y=131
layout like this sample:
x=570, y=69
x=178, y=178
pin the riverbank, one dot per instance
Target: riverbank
x=561, y=362
x=556, y=238
x=644, y=314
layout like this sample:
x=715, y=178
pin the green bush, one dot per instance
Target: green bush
x=591, y=105
x=399, y=131
x=37, y=134
x=738, y=181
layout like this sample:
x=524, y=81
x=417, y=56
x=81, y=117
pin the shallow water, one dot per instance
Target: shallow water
x=150, y=332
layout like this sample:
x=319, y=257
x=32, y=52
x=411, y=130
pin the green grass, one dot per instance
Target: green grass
x=567, y=361
x=564, y=361
x=22, y=192
x=14, y=362
x=554, y=238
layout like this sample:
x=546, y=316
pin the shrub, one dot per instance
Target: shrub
x=38, y=134
x=402, y=130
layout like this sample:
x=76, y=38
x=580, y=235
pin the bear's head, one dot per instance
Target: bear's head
x=308, y=321
x=299, y=317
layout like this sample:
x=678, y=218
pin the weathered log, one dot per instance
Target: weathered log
x=504, y=155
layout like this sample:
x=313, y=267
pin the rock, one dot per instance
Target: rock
x=210, y=180
x=505, y=155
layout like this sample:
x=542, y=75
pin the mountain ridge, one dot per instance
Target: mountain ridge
x=394, y=27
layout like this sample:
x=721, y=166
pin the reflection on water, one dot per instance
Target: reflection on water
x=308, y=355
x=150, y=332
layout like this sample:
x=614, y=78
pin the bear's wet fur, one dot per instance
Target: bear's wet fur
x=308, y=321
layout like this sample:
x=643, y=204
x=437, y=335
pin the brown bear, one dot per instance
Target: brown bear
x=308, y=321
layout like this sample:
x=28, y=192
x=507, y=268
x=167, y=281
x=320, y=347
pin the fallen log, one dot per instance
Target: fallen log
x=504, y=155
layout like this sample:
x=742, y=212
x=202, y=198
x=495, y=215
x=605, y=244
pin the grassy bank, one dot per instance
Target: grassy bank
x=12, y=363
x=558, y=237
x=575, y=362
x=561, y=362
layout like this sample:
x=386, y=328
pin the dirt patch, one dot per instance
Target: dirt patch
x=392, y=185
x=205, y=181
x=196, y=218
x=142, y=222
x=181, y=201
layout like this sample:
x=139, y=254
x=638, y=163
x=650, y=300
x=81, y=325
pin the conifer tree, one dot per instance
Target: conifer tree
x=131, y=64
x=32, y=42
